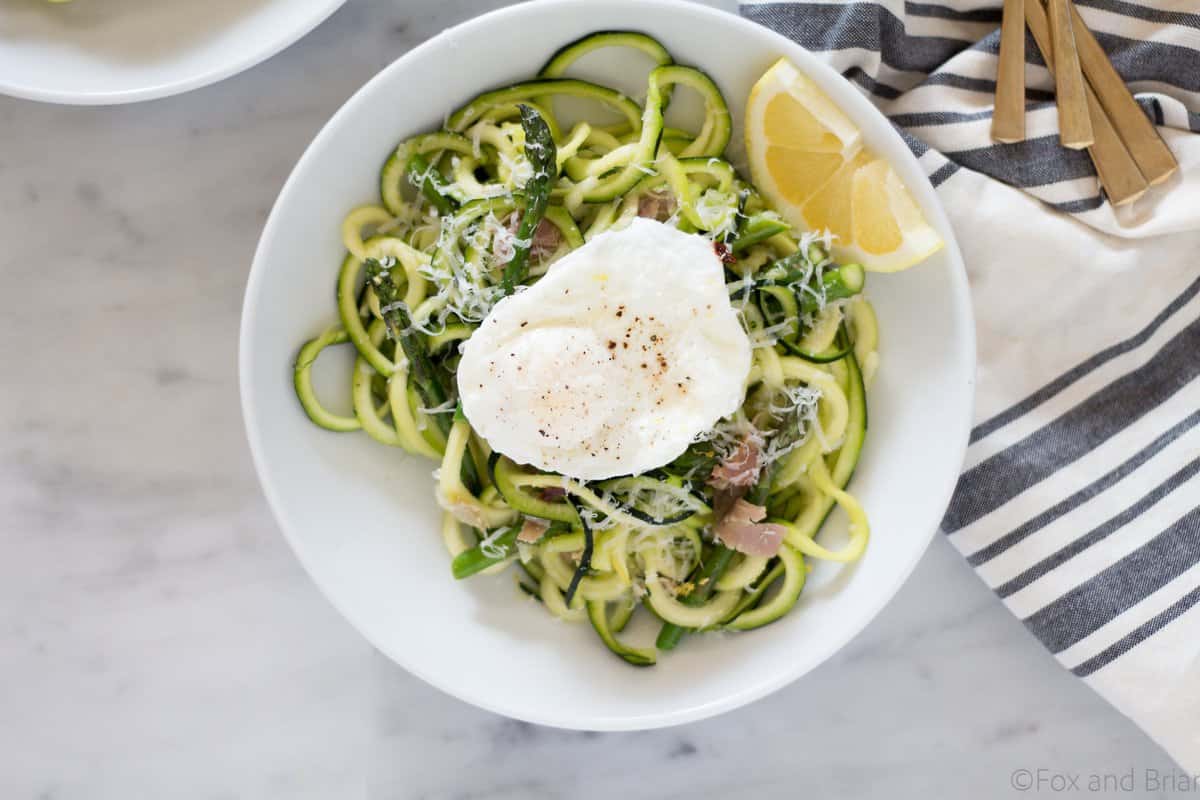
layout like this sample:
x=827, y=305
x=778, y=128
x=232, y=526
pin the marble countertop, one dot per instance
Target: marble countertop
x=158, y=639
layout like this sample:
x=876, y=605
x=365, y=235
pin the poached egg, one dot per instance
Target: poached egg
x=614, y=361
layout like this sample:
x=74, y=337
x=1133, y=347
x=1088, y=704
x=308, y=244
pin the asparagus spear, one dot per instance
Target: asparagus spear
x=477, y=559
x=798, y=263
x=714, y=566
x=704, y=580
x=837, y=284
x=430, y=182
x=758, y=228
x=698, y=460
x=542, y=155
x=421, y=369
x=399, y=323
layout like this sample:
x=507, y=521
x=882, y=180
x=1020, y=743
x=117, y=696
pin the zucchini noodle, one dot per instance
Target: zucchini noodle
x=445, y=229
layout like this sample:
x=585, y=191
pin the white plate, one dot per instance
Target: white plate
x=103, y=52
x=362, y=517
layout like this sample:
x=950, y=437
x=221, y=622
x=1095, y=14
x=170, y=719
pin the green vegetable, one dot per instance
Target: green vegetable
x=302, y=379
x=705, y=581
x=569, y=53
x=735, y=231
x=421, y=370
x=481, y=556
x=430, y=182
x=504, y=474
x=597, y=612
x=542, y=154
x=623, y=493
x=756, y=590
x=779, y=307
x=758, y=228
x=536, y=90
x=798, y=266
x=834, y=353
x=791, y=565
x=837, y=284
x=856, y=432
x=705, y=578
x=585, y=558
x=697, y=462
x=399, y=324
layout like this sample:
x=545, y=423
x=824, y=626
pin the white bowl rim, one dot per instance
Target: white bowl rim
x=157, y=91
x=963, y=420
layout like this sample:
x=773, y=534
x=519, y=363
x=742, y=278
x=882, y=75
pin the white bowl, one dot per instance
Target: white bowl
x=102, y=52
x=361, y=516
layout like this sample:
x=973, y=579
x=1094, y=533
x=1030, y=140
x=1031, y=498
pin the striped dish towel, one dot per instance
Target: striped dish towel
x=1079, y=503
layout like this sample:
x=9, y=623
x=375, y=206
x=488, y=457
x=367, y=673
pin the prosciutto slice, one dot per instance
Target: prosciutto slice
x=532, y=530
x=657, y=206
x=742, y=529
x=739, y=470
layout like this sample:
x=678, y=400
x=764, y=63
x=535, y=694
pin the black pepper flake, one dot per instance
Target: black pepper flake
x=523, y=324
x=612, y=345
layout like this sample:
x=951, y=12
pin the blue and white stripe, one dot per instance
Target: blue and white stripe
x=1079, y=503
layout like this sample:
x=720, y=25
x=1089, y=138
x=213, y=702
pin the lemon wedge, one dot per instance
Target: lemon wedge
x=808, y=159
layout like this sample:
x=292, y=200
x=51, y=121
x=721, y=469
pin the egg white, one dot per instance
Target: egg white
x=614, y=361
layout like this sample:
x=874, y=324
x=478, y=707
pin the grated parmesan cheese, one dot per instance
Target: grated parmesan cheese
x=718, y=211
x=447, y=407
x=488, y=545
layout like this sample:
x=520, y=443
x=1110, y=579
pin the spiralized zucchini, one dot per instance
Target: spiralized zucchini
x=445, y=233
